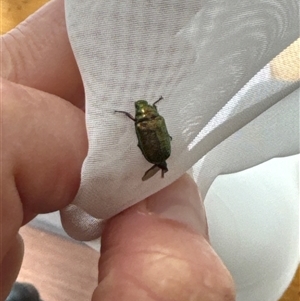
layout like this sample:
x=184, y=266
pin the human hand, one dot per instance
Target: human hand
x=159, y=250
x=150, y=251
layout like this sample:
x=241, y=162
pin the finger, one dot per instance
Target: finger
x=37, y=53
x=45, y=145
x=145, y=256
x=10, y=266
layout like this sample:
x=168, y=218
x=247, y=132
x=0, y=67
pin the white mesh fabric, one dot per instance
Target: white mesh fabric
x=198, y=55
x=223, y=107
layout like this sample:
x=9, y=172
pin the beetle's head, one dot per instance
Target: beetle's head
x=144, y=110
x=140, y=104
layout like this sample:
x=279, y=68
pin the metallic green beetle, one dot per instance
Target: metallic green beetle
x=153, y=137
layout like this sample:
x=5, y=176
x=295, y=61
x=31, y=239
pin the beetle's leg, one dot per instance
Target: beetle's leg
x=163, y=171
x=127, y=114
x=154, y=169
x=157, y=101
x=163, y=167
x=170, y=137
x=150, y=172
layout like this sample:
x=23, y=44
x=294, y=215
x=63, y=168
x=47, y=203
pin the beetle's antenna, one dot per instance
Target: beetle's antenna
x=158, y=100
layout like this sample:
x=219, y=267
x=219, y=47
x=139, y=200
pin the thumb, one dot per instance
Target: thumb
x=147, y=255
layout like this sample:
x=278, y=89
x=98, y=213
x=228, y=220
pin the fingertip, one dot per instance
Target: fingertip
x=37, y=53
x=146, y=257
x=51, y=132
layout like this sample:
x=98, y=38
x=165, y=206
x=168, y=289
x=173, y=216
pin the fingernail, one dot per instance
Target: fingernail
x=180, y=201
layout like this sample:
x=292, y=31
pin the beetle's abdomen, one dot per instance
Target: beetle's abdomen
x=154, y=139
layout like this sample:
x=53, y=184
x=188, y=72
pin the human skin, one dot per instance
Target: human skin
x=150, y=251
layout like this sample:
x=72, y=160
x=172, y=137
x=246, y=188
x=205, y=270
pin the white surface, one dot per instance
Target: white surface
x=198, y=55
x=257, y=236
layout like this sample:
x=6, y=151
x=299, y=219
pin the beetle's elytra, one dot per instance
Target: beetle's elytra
x=153, y=137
